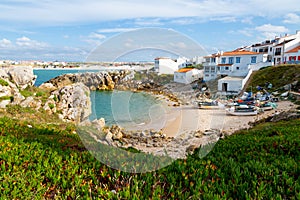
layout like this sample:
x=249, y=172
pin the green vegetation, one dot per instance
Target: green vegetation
x=48, y=161
x=3, y=82
x=6, y=98
x=279, y=76
x=159, y=79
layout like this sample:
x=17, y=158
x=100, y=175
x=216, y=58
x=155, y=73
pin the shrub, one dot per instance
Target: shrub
x=3, y=82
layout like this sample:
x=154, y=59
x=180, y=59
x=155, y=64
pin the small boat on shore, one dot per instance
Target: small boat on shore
x=242, y=110
x=208, y=105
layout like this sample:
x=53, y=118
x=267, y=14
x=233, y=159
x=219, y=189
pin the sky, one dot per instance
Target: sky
x=70, y=30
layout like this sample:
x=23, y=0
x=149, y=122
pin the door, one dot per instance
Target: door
x=224, y=87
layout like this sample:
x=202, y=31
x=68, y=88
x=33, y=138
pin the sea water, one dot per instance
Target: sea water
x=124, y=108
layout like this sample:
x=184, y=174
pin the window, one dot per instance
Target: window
x=277, y=51
x=213, y=60
x=230, y=60
x=223, y=60
x=226, y=68
x=213, y=69
x=271, y=49
x=206, y=70
x=238, y=59
x=253, y=59
x=237, y=68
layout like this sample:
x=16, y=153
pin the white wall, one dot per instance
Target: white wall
x=233, y=84
x=188, y=77
x=166, y=66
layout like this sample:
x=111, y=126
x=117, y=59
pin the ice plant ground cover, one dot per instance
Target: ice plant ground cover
x=49, y=161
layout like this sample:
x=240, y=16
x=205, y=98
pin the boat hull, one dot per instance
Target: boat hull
x=243, y=113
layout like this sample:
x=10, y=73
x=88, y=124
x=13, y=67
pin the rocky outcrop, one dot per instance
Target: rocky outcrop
x=72, y=102
x=9, y=92
x=155, y=142
x=22, y=76
x=94, y=81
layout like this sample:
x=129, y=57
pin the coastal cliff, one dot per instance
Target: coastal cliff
x=94, y=81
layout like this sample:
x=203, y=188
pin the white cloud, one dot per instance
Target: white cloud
x=271, y=28
x=270, y=31
x=292, y=18
x=78, y=11
x=94, y=38
x=4, y=43
x=97, y=36
x=25, y=42
x=148, y=22
x=115, y=30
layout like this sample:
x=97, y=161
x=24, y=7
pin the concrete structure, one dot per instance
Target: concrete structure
x=168, y=65
x=187, y=75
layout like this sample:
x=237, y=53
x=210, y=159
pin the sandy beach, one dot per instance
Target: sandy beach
x=189, y=118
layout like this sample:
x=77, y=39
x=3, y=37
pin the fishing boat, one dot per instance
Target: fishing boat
x=208, y=105
x=266, y=106
x=242, y=110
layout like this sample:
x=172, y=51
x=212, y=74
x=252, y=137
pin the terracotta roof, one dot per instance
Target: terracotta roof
x=184, y=70
x=233, y=53
x=294, y=50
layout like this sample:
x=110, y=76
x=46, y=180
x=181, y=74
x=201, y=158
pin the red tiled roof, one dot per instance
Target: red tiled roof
x=184, y=70
x=233, y=53
x=294, y=50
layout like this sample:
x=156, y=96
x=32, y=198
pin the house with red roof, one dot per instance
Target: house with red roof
x=187, y=75
x=293, y=56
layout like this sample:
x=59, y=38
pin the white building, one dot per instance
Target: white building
x=187, y=75
x=277, y=47
x=235, y=63
x=293, y=56
x=168, y=65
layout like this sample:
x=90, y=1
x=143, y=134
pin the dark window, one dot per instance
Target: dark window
x=277, y=51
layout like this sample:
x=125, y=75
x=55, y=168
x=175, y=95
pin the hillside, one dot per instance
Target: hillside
x=279, y=76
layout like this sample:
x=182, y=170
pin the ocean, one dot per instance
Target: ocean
x=123, y=108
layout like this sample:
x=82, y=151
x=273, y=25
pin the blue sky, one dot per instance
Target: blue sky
x=68, y=30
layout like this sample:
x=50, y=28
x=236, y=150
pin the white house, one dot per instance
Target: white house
x=168, y=65
x=293, y=56
x=187, y=75
x=235, y=63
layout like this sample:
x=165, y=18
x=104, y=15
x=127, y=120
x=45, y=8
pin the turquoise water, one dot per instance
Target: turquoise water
x=124, y=108
x=44, y=75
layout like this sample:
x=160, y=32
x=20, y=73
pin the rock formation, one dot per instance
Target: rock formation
x=22, y=76
x=94, y=81
x=72, y=102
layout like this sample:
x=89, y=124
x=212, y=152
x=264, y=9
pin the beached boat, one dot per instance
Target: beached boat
x=208, y=105
x=242, y=110
x=266, y=106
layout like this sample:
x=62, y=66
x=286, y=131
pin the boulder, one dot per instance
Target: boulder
x=99, y=123
x=4, y=103
x=22, y=76
x=73, y=101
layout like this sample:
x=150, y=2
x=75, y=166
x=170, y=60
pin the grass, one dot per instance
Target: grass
x=45, y=161
x=279, y=76
x=3, y=82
